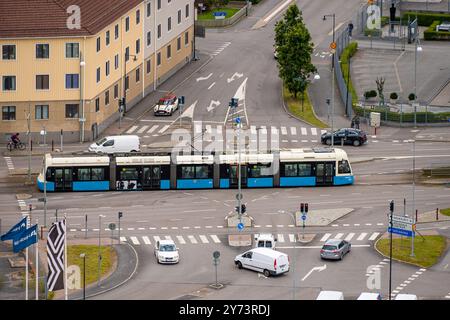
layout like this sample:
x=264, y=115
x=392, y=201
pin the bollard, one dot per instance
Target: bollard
x=31, y=145
x=437, y=214
x=42, y=232
x=53, y=146
x=416, y=216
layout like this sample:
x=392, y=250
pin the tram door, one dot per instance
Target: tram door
x=234, y=178
x=152, y=178
x=324, y=173
x=63, y=179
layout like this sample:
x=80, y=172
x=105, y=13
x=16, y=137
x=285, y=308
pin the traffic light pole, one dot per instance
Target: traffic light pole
x=390, y=249
x=239, y=172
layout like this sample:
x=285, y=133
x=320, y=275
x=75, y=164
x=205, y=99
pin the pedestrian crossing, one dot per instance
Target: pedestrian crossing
x=215, y=239
x=222, y=47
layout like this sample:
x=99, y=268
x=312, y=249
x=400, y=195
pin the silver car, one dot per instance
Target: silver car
x=335, y=249
x=444, y=26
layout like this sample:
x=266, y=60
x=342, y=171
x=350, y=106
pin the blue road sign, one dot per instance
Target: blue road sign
x=402, y=232
x=238, y=120
x=303, y=216
x=240, y=226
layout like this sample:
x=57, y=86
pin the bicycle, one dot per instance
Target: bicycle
x=11, y=146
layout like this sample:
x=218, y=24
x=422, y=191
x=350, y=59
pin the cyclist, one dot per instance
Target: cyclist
x=15, y=139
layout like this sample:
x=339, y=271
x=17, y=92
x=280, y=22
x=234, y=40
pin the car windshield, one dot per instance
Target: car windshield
x=167, y=247
x=100, y=142
x=164, y=102
x=329, y=247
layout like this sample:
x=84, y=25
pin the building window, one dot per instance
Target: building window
x=116, y=62
x=127, y=53
x=9, y=52
x=149, y=38
x=107, y=37
x=127, y=24
x=107, y=68
x=158, y=59
x=9, y=113
x=98, y=74
x=169, y=51
x=187, y=11
x=149, y=66
x=42, y=51
x=116, y=91
x=127, y=82
x=159, y=31
x=72, y=50
x=179, y=44
x=116, y=31
x=159, y=4
x=98, y=44
x=72, y=81
x=138, y=46
x=107, y=98
x=149, y=9
x=42, y=82
x=41, y=112
x=186, y=38
x=97, y=105
x=179, y=16
x=138, y=75
x=169, y=23
x=72, y=110
x=138, y=16
x=9, y=83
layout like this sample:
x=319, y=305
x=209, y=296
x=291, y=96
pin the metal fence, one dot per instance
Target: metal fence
x=342, y=41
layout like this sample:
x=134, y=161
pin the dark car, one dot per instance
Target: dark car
x=351, y=136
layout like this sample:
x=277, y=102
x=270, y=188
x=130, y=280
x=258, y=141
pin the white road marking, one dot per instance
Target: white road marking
x=203, y=239
x=325, y=237
x=274, y=131
x=132, y=129
x=153, y=128
x=338, y=236
x=134, y=240
x=283, y=131
x=156, y=238
x=212, y=85
x=164, y=129
x=146, y=240
x=314, y=131
x=181, y=240
x=361, y=236
x=141, y=130
x=192, y=239
x=280, y=238
x=275, y=12
x=123, y=239
x=168, y=238
x=374, y=236
x=292, y=237
x=263, y=130
x=294, y=131
x=253, y=130
x=215, y=238
x=268, y=226
x=304, y=132
x=349, y=236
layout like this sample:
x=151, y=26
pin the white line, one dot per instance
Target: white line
x=346, y=225
x=146, y=240
x=314, y=131
x=156, y=238
x=215, y=238
x=204, y=239
x=325, y=237
x=134, y=240
x=275, y=12
x=192, y=239
x=320, y=247
x=374, y=236
x=181, y=240
x=338, y=236
x=294, y=131
x=336, y=28
x=274, y=131
x=304, y=132
x=292, y=237
x=349, y=236
x=368, y=224
x=283, y=131
x=280, y=238
x=141, y=130
x=253, y=130
x=164, y=129
x=362, y=236
x=168, y=238
x=132, y=129
x=212, y=85
x=379, y=224
x=123, y=239
x=153, y=128
x=268, y=226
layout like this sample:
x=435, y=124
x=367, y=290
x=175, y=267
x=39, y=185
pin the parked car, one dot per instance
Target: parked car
x=335, y=249
x=265, y=240
x=369, y=296
x=330, y=295
x=166, y=252
x=444, y=26
x=166, y=105
x=116, y=144
x=267, y=261
x=350, y=136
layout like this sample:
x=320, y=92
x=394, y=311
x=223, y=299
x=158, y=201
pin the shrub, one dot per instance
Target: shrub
x=426, y=19
x=372, y=32
x=411, y=97
x=394, y=96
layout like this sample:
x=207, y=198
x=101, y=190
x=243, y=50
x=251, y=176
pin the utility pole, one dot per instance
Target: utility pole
x=414, y=194
x=29, y=141
x=333, y=48
x=391, y=209
x=238, y=121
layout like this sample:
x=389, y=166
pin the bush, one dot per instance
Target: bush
x=394, y=96
x=411, y=97
x=370, y=94
x=426, y=19
x=432, y=34
x=384, y=21
x=372, y=32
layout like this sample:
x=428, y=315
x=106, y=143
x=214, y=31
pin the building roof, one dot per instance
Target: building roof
x=48, y=18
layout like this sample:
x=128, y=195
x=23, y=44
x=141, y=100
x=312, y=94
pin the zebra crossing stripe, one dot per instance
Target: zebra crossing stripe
x=181, y=240
x=156, y=238
x=294, y=131
x=141, y=130
x=215, y=238
x=362, y=236
x=192, y=239
x=374, y=236
x=123, y=239
x=169, y=238
x=204, y=239
x=219, y=130
x=263, y=130
x=283, y=131
x=253, y=130
x=164, y=129
x=208, y=128
x=153, y=128
x=280, y=238
x=132, y=129
x=349, y=236
x=325, y=237
x=314, y=131
x=274, y=130
x=134, y=240
x=304, y=133
x=146, y=240
x=198, y=128
x=323, y=131
x=292, y=237
x=339, y=235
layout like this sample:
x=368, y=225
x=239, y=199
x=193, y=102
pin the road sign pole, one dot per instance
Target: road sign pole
x=390, y=249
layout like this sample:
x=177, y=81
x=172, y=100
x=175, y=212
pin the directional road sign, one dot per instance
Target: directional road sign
x=303, y=217
x=401, y=225
x=238, y=120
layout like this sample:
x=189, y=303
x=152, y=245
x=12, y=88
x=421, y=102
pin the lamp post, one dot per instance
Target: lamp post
x=418, y=48
x=124, y=109
x=100, y=216
x=332, y=75
x=83, y=256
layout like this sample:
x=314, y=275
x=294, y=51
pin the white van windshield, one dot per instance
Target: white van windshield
x=100, y=142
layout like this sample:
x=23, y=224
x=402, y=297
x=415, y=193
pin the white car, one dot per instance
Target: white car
x=166, y=252
x=444, y=26
x=265, y=240
x=166, y=106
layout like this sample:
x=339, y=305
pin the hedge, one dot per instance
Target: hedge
x=432, y=34
x=372, y=32
x=426, y=19
x=406, y=117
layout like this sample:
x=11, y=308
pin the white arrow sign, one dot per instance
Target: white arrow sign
x=315, y=269
x=260, y=275
x=204, y=78
x=235, y=76
x=213, y=105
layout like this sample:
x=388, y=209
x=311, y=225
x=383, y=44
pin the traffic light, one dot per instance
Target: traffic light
x=120, y=215
x=328, y=101
x=306, y=208
x=237, y=209
x=181, y=100
x=302, y=207
x=391, y=206
x=243, y=208
x=234, y=102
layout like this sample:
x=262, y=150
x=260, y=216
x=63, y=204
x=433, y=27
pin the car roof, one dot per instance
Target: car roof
x=162, y=242
x=268, y=252
x=368, y=296
x=332, y=242
x=329, y=295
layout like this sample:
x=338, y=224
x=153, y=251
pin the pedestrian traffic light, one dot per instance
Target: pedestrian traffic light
x=391, y=206
x=237, y=209
x=243, y=208
x=120, y=215
x=302, y=207
x=328, y=101
x=234, y=102
x=306, y=208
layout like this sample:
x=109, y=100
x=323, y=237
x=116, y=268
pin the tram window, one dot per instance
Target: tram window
x=84, y=174
x=202, y=172
x=290, y=170
x=187, y=172
x=261, y=170
x=344, y=167
x=128, y=174
x=50, y=175
x=98, y=174
x=304, y=169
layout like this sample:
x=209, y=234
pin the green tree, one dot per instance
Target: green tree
x=294, y=49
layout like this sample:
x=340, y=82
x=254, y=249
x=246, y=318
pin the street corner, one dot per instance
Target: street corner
x=322, y=217
x=306, y=238
x=240, y=240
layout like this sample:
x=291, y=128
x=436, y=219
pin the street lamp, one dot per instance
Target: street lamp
x=100, y=216
x=418, y=48
x=333, y=48
x=83, y=256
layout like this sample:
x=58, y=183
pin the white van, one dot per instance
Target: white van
x=330, y=295
x=404, y=296
x=116, y=144
x=267, y=261
x=265, y=240
x=369, y=296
